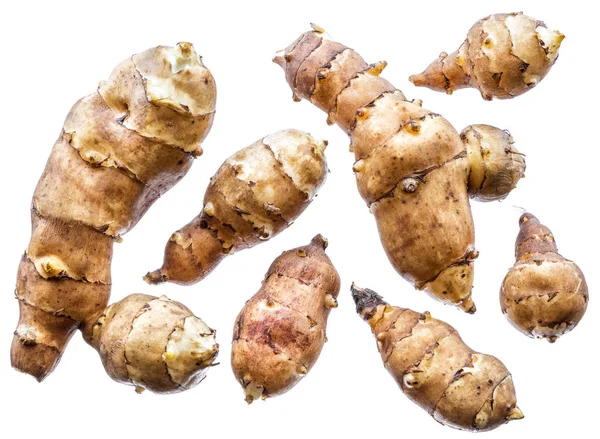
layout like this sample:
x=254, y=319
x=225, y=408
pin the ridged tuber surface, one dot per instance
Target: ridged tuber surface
x=257, y=193
x=120, y=149
x=412, y=168
x=543, y=295
x=495, y=165
x=280, y=332
x=152, y=343
x=435, y=369
x=503, y=56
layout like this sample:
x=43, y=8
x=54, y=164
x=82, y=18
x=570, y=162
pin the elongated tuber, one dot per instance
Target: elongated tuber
x=152, y=343
x=257, y=193
x=280, y=332
x=432, y=365
x=543, y=295
x=120, y=149
x=412, y=169
x=504, y=56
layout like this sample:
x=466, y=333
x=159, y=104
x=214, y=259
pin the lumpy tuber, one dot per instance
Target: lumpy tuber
x=280, y=332
x=152, y=343
x=432, y=365
x=257, y=193
x=120, y=149
x=543, y=295
x=412, y=168
x=504, y=56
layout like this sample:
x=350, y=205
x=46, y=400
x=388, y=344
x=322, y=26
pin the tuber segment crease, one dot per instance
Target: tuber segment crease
x=434, y=368
x=120, y=149
x=413, y=170
x=280, y=332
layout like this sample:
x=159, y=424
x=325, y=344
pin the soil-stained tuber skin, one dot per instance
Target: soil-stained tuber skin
x=457, y=386
x=152, y=343
x=257, y=193
x=280, y=332
x=412, y=168
x=120, y=149
x=504, y=56
x=543, y=295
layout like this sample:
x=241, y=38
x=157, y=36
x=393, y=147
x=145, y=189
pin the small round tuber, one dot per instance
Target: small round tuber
x=152, y=343
x=543, y=295
x=495, y=165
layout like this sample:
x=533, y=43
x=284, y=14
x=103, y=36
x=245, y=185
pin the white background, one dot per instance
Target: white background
x=53, y=53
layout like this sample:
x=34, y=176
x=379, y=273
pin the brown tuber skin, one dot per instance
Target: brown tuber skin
x=256, y=194
x=495, y=165
x=412, y=168
x=152, y=343
x=543, y=295
x=457, y=386
x=504, y=56
x=120, y=149
x=280, y=332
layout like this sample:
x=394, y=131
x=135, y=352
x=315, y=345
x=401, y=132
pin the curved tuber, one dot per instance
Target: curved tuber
x=120, y=149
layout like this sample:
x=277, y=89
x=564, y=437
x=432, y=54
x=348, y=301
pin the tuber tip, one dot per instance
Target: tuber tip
x=418, y=80
x=514, y=414
x=366, y=300
x=186, y=49
x=527, y=217
x=155, y=277
x=185, y=57
x=279, y=58
x=468, y=306
x=320, y=240
x=318, y=29
x=253, y=391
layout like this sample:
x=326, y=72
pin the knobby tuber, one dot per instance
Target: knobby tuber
x=504, y=56
x=543, y=295
x=412, y=168
x=257, y=193
x=280, y=332
x=432, y=365
x=152, y=343
x=119, y=150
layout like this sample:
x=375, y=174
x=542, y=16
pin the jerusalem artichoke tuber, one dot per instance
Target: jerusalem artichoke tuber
x=457, y=386
x=504, y=56
x=120, y=149
x=280, y=332
x=257, y=193
x=543, y=295
x=412, y=169
x=152, y=343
